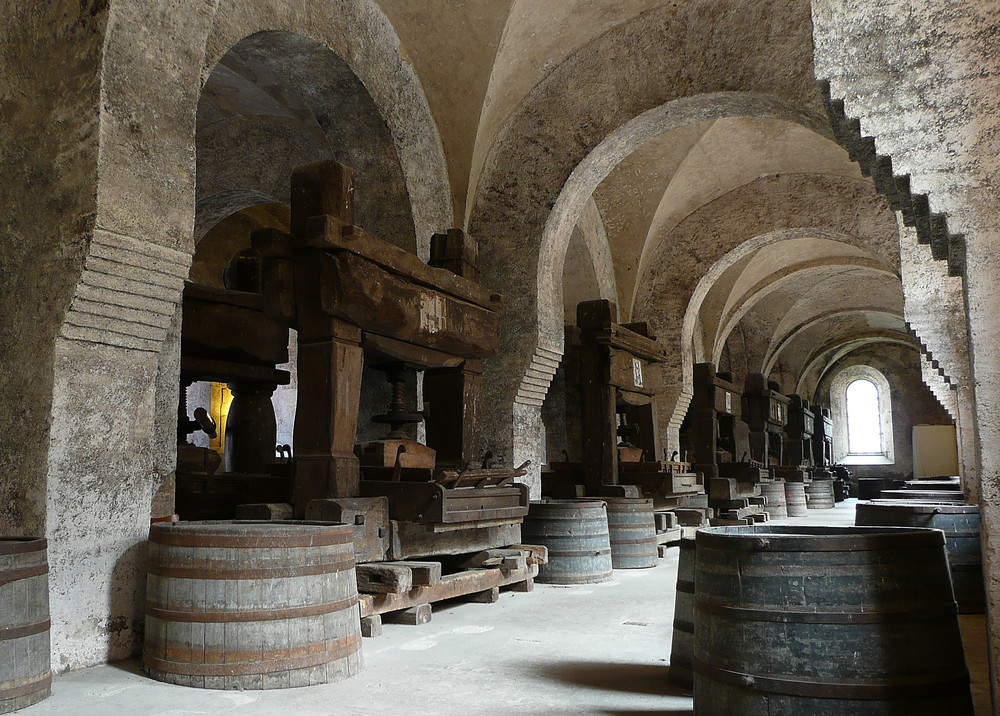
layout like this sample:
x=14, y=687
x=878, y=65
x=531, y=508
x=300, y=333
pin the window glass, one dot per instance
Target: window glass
x=864, y=427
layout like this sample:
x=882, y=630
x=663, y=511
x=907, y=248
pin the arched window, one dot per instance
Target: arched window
x=862, y=417
x=864, y=429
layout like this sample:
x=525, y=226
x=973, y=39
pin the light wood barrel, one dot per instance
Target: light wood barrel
x=961, y=527
x=826, y=620
x=819, y=495
x=683, y=636
x=251, y=605
x=795, y=499
x=576, y=534
x=775, y=493
x=632, y=532
x=25, y=678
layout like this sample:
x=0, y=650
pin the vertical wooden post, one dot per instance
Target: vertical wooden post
x=600, y=438
x=326, y=416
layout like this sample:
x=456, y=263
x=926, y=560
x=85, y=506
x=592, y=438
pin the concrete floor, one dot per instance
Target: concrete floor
x=596, y=649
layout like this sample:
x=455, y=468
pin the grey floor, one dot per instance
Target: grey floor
x=596, y=649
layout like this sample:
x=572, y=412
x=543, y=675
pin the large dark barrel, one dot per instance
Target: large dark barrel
x=25, y=678
x=819, y=495
x=775, y=494
x=251, y=605
x=961, y=527
x=924, y=495
x=839, y=490
x=632, y=532
x=795, y=499
x=826, y=620
x=870, y=488
x=683, y=636
x=576, y=534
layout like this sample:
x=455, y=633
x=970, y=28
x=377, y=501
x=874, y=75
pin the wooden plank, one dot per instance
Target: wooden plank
x=487, y=596
x=371, y=626
x=669, y=536
x=534, y=553
x=383, y=577
x=415, y=615
x=450, y=586
x=326, y=232
x=528, y=585
x=424, y=574
x=505, y=559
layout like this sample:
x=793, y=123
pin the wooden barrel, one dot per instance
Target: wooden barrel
x=826, y=620
x=25, y=677
x=795, y=499
x=839, y=490
x=683, y=636
x=632, y=532
x=819, y=495
x=775, y=494
x=961, y=527
x=870, y=488
x=924, y=484
x=251, y=605
x=576, y=534
x=924, y=495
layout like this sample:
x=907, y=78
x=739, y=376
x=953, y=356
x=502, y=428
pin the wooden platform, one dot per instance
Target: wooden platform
x=387, y=587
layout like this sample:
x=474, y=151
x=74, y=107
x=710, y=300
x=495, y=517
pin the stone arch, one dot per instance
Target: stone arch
x=116, y=350
x=537, y=316
x=782, y=342
x=763, y=289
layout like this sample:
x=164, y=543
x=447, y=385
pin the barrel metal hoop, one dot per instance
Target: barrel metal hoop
x=341, y=648
x=23, y=573
x=586, y=579
x=875, y=616
x=790, y=541
x=684, y=626
x=178, y=538
x=32, y=687
x=19, y=632
x=684, y=585
x=260, y=615
x=900, y=688
x=283, y=572
x=22, y=545
x=644, y=540
x=579, y=553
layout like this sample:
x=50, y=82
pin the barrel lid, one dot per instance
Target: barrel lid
x=568, y=504
x=21, y=545
x=250, y=533
x=921, y=507
x=768, y=538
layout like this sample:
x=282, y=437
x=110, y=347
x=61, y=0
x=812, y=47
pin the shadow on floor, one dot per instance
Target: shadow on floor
x=633, y=678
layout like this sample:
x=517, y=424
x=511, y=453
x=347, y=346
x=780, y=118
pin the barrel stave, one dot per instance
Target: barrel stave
x=25, y=678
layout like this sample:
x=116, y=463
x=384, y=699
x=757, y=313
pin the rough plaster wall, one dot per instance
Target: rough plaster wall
x=46, y=218
x=912, y=403
x=763, y=48
x=923, y=79
x=359, y=32
x=277, y=101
